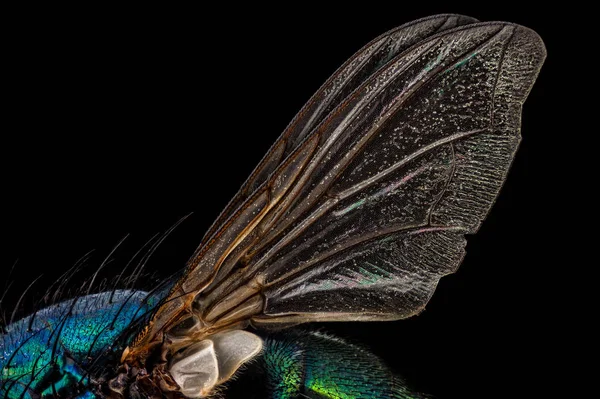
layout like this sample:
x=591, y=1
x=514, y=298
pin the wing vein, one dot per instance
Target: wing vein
x=367, y=182
x=500, y=62
x=418, y=229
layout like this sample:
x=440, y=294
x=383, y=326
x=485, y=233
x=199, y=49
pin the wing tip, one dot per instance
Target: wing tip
x=525, y=55
x=533, y=40
x=525, y=36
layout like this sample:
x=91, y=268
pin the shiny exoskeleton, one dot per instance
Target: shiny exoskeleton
x=354, y=214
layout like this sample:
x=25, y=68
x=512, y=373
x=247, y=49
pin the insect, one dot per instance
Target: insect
x=354, y=214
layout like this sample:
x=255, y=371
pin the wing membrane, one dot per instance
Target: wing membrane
x=410, y=163
x=370, y=209
x=372, y=57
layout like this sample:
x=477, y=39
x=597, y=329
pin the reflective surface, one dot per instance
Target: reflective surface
x=156, y=207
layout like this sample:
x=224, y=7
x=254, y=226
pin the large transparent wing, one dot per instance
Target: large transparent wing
x=372, y=57
x=370, y=210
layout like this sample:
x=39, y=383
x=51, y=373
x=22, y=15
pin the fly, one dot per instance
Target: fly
x=354, y=214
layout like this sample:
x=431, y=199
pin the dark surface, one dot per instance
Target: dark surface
x=122, y=125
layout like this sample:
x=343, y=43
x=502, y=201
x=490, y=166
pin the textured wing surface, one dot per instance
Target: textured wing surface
x=369, y=211
x=366, y=62
x=389, y=184
x=372, y=57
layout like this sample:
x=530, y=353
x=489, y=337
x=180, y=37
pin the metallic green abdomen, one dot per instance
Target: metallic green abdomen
x=314, y=365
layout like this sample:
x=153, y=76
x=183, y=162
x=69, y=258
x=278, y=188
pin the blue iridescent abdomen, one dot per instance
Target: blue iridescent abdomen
x=52, y=351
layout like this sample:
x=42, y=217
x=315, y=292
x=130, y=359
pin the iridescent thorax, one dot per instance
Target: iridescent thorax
x=355, y=214
x=52, y=351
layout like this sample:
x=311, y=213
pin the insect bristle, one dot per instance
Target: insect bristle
x=77, y=288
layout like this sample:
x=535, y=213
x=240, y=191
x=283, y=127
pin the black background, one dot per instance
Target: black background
x=121, y=122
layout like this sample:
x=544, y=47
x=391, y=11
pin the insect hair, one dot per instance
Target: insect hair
x=133, y=277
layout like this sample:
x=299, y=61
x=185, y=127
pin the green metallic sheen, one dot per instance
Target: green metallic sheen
x=316, y=365
x=53, y=352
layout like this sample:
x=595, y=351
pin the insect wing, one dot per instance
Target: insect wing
x=396, y=176
x=368, y=60
x=369, y=211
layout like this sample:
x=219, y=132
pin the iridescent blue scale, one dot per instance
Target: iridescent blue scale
x=52, y=351
x=355, y=214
